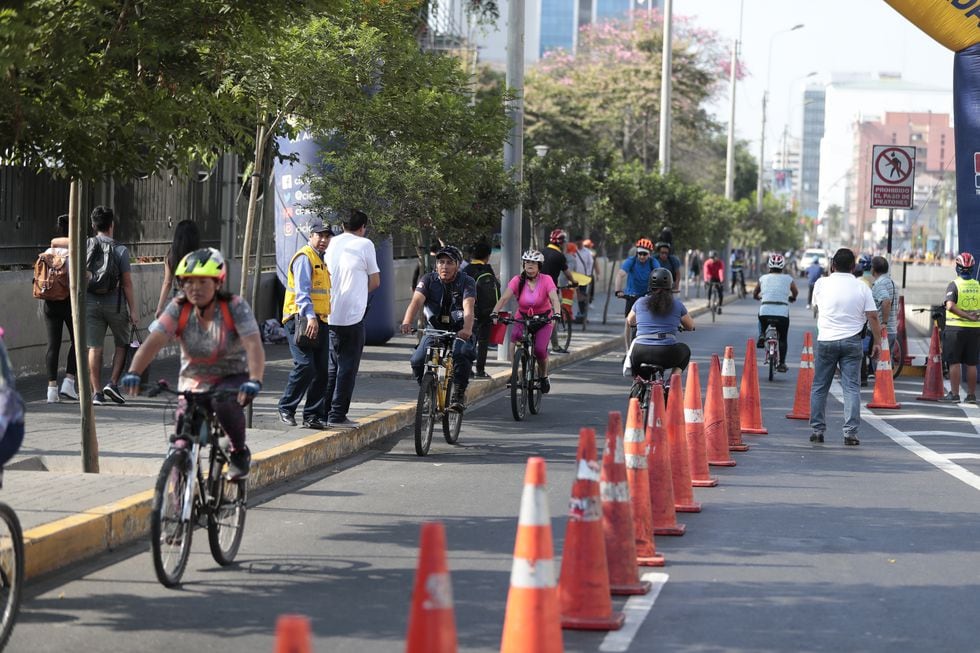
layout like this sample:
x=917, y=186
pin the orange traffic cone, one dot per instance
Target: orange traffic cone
x=715, y=426
x=583, y=587
x=932, y=385
x=729, y=390
x=432, y=622
x=532, y=622
x=617, y=515
x=804, y=381
x=293, y=634
x=680, y=459
x=658, y=467
x=637, y=447
x=884, y=395
x=694, y=429
x=750, y=405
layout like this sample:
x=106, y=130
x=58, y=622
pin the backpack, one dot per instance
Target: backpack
x=103, y=264
x=51, y=276
x=487, y=289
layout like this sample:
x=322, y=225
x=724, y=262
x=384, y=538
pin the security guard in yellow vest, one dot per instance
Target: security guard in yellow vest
x=304, y=312
x=961, y=340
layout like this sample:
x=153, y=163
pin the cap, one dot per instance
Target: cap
x=316, y=226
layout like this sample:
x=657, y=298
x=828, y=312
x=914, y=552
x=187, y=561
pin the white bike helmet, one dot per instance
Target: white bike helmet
x=533, y=255
x=777, y=261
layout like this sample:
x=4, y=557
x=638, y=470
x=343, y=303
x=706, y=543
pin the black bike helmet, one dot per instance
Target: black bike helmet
x=661, y=278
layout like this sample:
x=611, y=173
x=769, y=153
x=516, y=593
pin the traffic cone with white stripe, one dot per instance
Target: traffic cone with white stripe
x=680, y=460
x=637, y=447
x=750, y=403
x=532, y=621
x=729, y=390
x=432, y=622
x=694, y=429
x=932, y=384
x=715, y=426
x=658, y=467
x=583, y=587
x=804, y=381
x=884, y=395
x=617, y=514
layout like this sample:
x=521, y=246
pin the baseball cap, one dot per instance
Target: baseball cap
x=316, y=226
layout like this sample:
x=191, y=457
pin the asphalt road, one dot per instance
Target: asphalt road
x=800, y=548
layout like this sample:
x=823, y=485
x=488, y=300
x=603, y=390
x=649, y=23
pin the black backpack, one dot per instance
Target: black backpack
x=103, y=264
x=487, y=288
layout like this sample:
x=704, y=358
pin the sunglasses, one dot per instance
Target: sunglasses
x=643, y=253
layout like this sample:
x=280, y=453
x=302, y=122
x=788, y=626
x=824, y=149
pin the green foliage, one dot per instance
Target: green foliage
x=775, y=229
x=558, y=189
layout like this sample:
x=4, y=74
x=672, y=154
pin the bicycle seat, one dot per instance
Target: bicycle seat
x=647, y=371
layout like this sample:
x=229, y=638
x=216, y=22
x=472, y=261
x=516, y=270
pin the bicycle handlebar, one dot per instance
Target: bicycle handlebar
x=162, y=386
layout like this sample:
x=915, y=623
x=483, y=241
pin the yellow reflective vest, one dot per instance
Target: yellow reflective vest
x=967, y=299
x=319, y=292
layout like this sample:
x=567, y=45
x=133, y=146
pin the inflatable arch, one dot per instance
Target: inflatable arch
x=956, y=25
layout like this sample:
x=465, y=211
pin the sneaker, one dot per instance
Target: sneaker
x=719, y=310
x=111, y=390
x=458, y=403
x=545, y=385
x=760, y=343
x=481, y=374
x=816, y=438
x=971, y=398
x=950, y=398
x=53, y=397
x=239, y=462
x=98, y=399
x=342, y=424
x=315, y=423
x=851, y=440
x=68, y=389
x=782, y=368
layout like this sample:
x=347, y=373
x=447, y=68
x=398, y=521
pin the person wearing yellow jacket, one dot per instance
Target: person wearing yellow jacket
x=961, y=338
x=304, y=314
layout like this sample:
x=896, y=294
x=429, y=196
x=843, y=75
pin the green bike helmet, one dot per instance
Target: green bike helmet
x=207, y=262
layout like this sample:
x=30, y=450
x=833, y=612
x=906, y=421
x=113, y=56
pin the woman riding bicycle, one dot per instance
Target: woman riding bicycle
x=657, y=316
x=220, y=348
x=776, y=290
x=536, y=295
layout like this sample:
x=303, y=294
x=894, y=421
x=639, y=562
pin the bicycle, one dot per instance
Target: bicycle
x=11, y=569
x=183, y=495
x=738, y=283
x=436, y=392
x=771, y=349
x=643, y=383
x=525, y=387
x=714, y=298
x=563, y=326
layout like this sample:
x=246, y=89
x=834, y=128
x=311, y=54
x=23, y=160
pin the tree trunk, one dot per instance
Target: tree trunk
x=78, y=282
x=253, y=196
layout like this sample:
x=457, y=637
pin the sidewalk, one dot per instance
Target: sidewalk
x=68, y=516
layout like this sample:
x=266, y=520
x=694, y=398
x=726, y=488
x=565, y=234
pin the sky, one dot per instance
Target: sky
x=837, y=36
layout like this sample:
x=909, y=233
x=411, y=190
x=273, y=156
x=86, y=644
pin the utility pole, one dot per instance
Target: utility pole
x=665, y=87
x=730, y=159
x=510, y=229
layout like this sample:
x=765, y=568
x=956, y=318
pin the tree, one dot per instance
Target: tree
x=558, y=189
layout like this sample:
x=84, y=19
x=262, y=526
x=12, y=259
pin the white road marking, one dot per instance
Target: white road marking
x=953, y=434
x=636, y=610
x=963, y=456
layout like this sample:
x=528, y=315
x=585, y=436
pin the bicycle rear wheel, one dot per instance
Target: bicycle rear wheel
x=564, y=330
x=518, y=391
x=712, y=303
x=170, y=536
x=425, y=414
x=11, y=571
x=771, y=356
x=534, y=394
x=898, y=358
x=226, y=524
x=451, y=420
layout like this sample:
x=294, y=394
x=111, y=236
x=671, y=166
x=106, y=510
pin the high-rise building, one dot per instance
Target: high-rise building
x=808, y=182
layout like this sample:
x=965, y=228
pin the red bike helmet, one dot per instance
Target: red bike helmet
x=645, y=243
x=558, y=237
x=965, y=262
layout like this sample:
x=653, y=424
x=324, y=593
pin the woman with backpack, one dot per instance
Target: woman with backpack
x=53, y=291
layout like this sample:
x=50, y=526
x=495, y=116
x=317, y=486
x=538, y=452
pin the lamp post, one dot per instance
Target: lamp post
x=665, y=90
x=765, y=98
x=540, y=152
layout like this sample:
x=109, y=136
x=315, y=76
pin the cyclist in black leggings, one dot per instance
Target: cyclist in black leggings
x=657, y=317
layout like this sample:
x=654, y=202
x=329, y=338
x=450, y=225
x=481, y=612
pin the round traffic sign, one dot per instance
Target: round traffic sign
x=893, y=165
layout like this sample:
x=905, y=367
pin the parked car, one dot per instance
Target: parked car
x=822, y=256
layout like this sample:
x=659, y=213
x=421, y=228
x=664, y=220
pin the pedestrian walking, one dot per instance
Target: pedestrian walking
x=588, y=257
x=487, y=294
x=813, y=272
x=305, y=311
x=187, y=238
x=844, y=304
x=885, y=292
x=51, y=287
x=354, y=272
x=11, y=408
x=109, y=303
x=961, y=339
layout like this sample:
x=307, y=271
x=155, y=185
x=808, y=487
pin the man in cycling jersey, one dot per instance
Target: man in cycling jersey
x=776, y=290
x=667, y=260
x=634, y=274
x=448, y=297
x=714, y=271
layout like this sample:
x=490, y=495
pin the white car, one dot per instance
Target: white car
x=822, y=256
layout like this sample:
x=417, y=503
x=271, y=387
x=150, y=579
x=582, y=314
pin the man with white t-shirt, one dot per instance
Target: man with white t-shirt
x=354, y=273
x=844, y=303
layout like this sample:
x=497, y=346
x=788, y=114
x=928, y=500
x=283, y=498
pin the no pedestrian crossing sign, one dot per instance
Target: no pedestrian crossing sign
x=892, y=176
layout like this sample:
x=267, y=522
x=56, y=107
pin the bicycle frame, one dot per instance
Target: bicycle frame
x=439, y=361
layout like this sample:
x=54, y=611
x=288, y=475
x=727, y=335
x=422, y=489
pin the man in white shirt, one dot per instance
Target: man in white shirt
x=845, y=304
x=354, y=273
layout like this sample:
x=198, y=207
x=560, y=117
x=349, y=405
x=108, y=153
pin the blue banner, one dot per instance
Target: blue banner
x=292, y=195
x=966, y=117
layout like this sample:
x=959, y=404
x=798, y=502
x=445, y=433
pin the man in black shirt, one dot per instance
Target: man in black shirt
x=554, y=264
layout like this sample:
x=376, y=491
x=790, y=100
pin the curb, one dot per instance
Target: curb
x=58, y=544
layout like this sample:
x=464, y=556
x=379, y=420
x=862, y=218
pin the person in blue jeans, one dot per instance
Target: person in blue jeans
x=845, y=304
x=448, y=297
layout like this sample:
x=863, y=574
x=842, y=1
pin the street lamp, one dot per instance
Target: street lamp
x=765, y=98
x=540, y=151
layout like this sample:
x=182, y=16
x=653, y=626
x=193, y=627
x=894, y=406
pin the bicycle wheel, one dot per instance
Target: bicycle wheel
x=11, y=570
x=451, y=420
x=425, y=414
x=226, y=523
x=712, y=303
x=518, y=391
x=534, y=394
x=772, y=356
x=564, y=330
x=170, y=536
x=898, y=358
